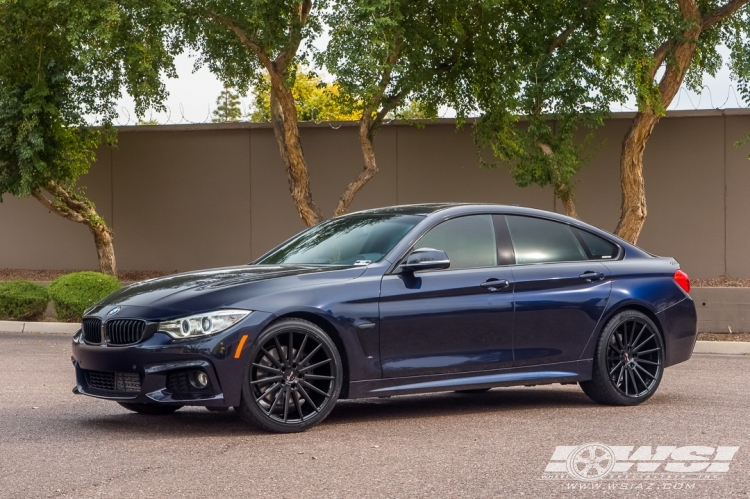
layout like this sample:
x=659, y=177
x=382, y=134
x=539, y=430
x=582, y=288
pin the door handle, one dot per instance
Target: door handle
x=592, y=276
x=493, y=284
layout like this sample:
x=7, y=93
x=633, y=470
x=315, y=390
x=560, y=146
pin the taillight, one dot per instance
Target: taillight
x=682, y=280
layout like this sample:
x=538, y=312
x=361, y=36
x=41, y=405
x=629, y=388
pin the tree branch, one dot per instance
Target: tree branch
x=721, y=13
x=51, y=206
x=289, y=51
x=246, y=41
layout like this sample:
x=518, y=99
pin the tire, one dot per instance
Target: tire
x=474, y=390
x=150, y=409
x=309, y=375
x=628, y=361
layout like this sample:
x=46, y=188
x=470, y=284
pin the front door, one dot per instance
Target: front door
x=455, y=320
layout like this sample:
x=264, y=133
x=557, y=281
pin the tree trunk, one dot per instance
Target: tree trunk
x=286, y=131
x=77, y=209
x=565, y=194
x=562, y=191
x=366, y=139
x=633, y=209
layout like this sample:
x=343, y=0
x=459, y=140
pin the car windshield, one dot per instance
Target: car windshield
x=356, y=239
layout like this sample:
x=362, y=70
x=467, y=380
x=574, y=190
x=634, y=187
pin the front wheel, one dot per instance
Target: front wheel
x=628, y=362
x=293, y=378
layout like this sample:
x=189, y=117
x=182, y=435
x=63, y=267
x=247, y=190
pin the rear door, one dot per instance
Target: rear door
x=454, y=320
x=561, y=290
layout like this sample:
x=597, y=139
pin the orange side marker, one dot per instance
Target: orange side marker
x=239, y=347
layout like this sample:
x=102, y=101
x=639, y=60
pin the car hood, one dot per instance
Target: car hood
x=204, y=290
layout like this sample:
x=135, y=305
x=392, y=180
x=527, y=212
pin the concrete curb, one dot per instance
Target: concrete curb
x=61, y=328
x=723, y=347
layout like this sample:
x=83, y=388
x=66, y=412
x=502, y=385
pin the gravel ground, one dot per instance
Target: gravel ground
x=493, y=445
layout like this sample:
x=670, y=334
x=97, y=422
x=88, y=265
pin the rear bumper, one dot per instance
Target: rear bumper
x=680, y=325
x=157, y=370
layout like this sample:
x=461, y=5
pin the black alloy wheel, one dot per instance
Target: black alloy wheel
x=293, y=378
x=628, y=362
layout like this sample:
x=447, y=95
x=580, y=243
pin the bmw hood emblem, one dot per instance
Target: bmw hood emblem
x=113, y=311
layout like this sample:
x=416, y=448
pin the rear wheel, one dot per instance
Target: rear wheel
x=293, y=378
x=151, y=409
x=628, y=362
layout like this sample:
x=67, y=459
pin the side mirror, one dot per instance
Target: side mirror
x=426, y=259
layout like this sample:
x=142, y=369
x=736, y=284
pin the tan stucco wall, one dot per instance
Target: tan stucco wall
x=188, y=197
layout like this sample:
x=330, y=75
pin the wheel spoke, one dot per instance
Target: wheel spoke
x=279, y=350
x=649, y=351
x=286, y=403
x=310, y=368
x=267, y=368
x=270, y=357
x=645, y=371
x=646, y=361
x=266, y=380
x=640, y=333
x=276, y=399
x=297, y=405
x=269, y=391
x=645, y=385
x=619, y=376
x=309, y=356
x=615, y=368
x=626, y=381
x=632, y=379
x=635, y=349
x=317, y=376
x=307, y=397
x=301, y=348
x=314, y=388
x=290, y=348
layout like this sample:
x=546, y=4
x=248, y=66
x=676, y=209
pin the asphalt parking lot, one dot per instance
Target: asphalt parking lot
x=496, y=444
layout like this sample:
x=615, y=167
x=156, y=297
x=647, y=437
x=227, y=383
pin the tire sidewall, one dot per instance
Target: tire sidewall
x=601, y=355
x=248, y=404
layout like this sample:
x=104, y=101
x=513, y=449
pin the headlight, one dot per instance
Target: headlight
x=200, y=325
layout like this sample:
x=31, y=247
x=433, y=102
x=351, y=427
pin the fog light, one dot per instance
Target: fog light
x=199, y=379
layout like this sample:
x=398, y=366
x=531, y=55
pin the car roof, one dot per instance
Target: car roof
x=413, y=209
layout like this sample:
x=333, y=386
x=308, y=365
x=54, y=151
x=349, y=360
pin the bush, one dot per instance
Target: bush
x=74, y=293
x=22, y=301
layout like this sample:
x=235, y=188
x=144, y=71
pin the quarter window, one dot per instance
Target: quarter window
x=599, y=249
x=468, y=241
x=540, y=241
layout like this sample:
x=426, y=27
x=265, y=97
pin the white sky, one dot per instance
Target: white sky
x=192, y=97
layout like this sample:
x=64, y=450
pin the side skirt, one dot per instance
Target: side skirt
x=563, y=372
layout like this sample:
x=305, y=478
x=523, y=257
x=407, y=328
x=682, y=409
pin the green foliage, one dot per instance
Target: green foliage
x=227, y=107
x=539, y=102
x=74, y=293
x=22, y=301
x=314, y=99
x=273, y=26
x=392, y=57
x=66, y=62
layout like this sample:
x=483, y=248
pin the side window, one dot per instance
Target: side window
x=598, y=248
x=469, y=241
x=538, y=241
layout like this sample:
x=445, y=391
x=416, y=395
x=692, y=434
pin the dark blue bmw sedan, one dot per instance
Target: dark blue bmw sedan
x=402, y=300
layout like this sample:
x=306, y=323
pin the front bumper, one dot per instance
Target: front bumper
x=157, y=369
